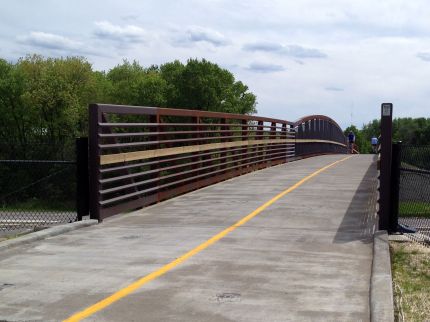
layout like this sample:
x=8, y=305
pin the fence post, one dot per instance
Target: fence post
x=95, y=118
x=395, y=185
x=82, y=189
x=385, y=166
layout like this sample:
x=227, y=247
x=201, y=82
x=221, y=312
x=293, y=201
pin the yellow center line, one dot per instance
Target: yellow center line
x=163, y=270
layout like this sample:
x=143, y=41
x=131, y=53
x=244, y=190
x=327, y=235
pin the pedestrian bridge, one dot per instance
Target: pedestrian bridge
x=291, y=242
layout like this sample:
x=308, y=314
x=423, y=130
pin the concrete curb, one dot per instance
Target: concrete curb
x=381, y=290
x=42, y=234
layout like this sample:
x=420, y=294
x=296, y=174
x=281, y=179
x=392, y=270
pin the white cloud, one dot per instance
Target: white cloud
x=125, y=34
x=377, y=49
x=287, y=50
x=49, y=44
x=263, y=46
x=198, y=34
x=50, y=41
x=302, y=52
x=424, y=56
x=265, y=68
x=334, y=89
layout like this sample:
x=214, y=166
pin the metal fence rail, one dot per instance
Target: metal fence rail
x=141, y=155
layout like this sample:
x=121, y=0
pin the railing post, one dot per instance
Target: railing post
x=313, y=147
x=259, y=136
x=272, y=136
x=245, y=149
x=385, y=166
x=95, y=117
x=224, y=151
x=157, y=119
x=345, y=148
x=395, y=185
x=331, y=135
x=284, y=136
x=298, y=146
x=82, y=191
x=196, y=135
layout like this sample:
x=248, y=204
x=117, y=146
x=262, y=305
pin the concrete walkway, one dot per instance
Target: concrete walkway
x=306, y=257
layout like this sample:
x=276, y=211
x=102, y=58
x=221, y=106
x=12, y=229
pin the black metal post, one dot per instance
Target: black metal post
x=395, y=185
x=385, y=166
x=95, y=118
x=82, y=182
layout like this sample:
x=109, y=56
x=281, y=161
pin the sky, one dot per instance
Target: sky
x=339, y=58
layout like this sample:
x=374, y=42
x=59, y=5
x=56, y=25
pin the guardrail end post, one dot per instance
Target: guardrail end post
x=385, y=165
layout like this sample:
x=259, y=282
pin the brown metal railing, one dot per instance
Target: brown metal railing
x=142, y=155
x=354, y=149
x=319, y=134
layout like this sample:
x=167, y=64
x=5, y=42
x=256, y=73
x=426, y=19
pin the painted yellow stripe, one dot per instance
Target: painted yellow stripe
x=163, y=270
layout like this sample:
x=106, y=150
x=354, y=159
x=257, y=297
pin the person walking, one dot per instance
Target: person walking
x=374, y=142
x=351, y=141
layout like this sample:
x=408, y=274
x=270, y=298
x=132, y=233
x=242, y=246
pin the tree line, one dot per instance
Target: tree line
x=411, y=131
x=44, y=101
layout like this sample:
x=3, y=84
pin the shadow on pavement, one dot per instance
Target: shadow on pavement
x=360, y=219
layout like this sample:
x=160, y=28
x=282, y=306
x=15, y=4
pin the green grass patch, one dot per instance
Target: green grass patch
x=410, y=264
x=414, y=209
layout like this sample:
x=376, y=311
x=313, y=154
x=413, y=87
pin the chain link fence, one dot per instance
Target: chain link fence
x=39, y=189
x=414, y=192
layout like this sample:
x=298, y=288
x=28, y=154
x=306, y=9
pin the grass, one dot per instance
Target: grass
x=414, y=209
x=410, y=264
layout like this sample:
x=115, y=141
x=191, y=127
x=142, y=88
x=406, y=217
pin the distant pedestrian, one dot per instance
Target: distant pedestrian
x=351, y=141
x=374, y=142
x=351, y=137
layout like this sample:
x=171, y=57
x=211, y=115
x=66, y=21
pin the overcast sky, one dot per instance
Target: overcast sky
x=338, y=58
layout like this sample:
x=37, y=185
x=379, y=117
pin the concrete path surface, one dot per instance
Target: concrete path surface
x=305, y=257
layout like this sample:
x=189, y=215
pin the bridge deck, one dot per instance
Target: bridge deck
x=305, y=257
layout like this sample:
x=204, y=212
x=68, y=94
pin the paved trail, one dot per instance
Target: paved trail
x=305, y=256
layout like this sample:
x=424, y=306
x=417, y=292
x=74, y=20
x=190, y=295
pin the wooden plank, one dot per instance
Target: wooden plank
x=148, y=154
x=156, y=153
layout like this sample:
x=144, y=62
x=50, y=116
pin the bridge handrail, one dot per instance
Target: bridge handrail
x=317, y=116
x=141, y=155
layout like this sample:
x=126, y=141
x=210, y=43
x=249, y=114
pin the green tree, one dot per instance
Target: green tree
x=413, y=131
x=45, y=101
x=363, y=144
x=15, y=121
x=198, y=85
x=172, y=74
x=369, y=130
x=205, y=86
x=134, y=85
